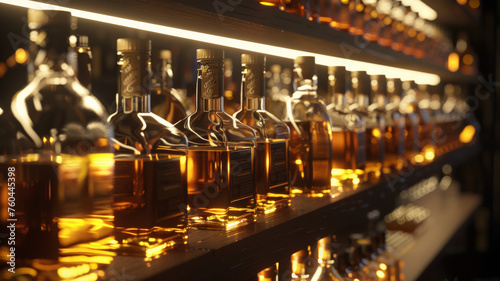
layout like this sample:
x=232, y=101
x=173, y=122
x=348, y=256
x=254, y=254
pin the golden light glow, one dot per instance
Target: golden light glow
x=383, y=266
x=356, y=181
x=267, y=4
x=376, y=133
x=468, y=59
x=419, y=158
x=380, y=274
x=453, y=62
x=327, y=60
x=462, y=2
x=72, y=272
x=21, y=56
x=467, y=134
x=474, y=4
x=429, y=153
x=298, y=162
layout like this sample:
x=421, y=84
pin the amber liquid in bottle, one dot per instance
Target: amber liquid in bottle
x=221, y=185
x=271, y=153
x=310, y=162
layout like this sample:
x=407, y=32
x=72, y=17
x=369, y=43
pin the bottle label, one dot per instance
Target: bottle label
x=148, y=188
x=254, y=81
x=134, y=75
x=278, y=166
x=241, y=177
x=361, y=144
x=211, y=80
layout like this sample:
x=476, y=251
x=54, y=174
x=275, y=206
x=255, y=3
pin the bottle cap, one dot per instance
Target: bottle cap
x=252, y=59
x=165, y=55
x=209, y=54
x=82, y=41
x=361, y=82
x=338, y=83
x=379, y=84
x=133, y=44
x=307, y=65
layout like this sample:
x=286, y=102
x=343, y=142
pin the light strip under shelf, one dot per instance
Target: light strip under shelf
x=353, y=65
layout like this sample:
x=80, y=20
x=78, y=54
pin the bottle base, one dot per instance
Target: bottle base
x=230, y=220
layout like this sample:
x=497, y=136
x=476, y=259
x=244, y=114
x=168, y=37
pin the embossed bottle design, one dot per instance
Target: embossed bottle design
x=150, y=183
x=221, y=187
x=271, y=157
x=310, y=151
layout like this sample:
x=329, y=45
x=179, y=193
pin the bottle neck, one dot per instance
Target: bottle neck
x=83, y=67
x=210, y=85
x=252, y=87
x=135, y=81
x=166, y=75
x=52, y=48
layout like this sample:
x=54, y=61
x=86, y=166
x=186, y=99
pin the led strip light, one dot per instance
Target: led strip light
x=353, y=65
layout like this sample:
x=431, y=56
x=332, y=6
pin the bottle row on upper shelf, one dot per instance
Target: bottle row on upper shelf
x=390, y=23
x=131, y=182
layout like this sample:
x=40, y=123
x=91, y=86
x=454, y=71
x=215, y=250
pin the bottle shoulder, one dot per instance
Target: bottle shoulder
x=145, y=133
x=264, y=123
x=54, y=104
x=216, y=129
x=307, y=107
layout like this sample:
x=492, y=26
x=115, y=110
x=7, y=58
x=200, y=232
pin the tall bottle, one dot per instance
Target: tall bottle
x=221, y=187
x=427, y=123
x=310, y=151
x=409, y=108
x=375, y=127
x=66, y=161
x=271, y=157
x=150, y=180
x=167, y=103
x=299, y=262
x=394, y=136
x=326, y=270
x=83, y=60
x=348, y=133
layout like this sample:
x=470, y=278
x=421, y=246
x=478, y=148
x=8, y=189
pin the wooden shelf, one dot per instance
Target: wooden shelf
x=239, y=254
x=448, y=215
x=253, y=22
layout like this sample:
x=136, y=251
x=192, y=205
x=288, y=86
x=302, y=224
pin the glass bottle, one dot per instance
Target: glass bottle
x=348, y=134
x=221, y=187
x=150, y=180
x=409, y=108
x=341, y=15
x=268, y=274
x=426, y=124
x=299, y=260
x=397, y=14
x=325, y=271
x=278, y=90
x=65, y=166
x=354, y=268
x=371, y=18
x=394, y=136
x=388, y=261
x=167, y=102
x=271, y=157
x=357, y=8
x=231, y=103
x=298, y=7
x=83, y=60
x=384, y=13
x=310, y=150
x=375, y=126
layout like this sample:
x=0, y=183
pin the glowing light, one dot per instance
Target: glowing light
x=383, y=266
x=462, y=2
x=21, y=56
x=355, y=181
x=419, y=158
x=352, y=65
x=429, y=153
x=422, y=9
x=298, y=162
x=267, y=4
x=380, y=274
x=453, y=62
x=467, y=134
x=468, y=59
x=376, y=133
x=71, y=272
x=474, y=4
